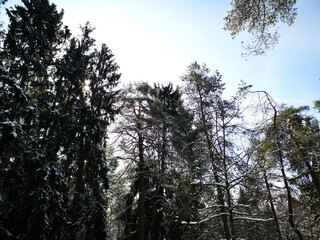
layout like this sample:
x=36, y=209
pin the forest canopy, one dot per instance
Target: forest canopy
x=83, y=158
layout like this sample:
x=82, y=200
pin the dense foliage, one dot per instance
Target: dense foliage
x=57, y=99
x=178, y=162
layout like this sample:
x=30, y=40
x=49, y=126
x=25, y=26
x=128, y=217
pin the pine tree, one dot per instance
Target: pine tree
x=151, y=119
x=300, y=132
x=201, y=90
x=221, y=129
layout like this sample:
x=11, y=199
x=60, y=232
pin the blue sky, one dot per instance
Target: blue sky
x=156, y=40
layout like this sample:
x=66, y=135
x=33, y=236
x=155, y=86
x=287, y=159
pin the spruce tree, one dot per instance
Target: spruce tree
x=57, y=100
x=37, y=198
x=86, y=77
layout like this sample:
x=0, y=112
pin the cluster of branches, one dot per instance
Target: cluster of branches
x=260, y=18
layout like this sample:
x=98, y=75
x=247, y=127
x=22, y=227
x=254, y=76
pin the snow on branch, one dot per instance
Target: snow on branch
x=254, y=219
x=205, y=220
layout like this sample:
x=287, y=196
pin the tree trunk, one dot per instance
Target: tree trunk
x=273, y=209
x=215, y=173
x=229, y=197
x=79, y=186
x=141, y=200
x=163, y=156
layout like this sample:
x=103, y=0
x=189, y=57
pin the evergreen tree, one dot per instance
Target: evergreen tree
x=152, y=117
x=301, y=134
x=58, y=99
x=275, y=140
x=259, y=18
x=133, y=133
x=221, y=129
x=38, y=196
x=85, y=95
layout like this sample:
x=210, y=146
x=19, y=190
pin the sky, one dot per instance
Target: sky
x=156, y=40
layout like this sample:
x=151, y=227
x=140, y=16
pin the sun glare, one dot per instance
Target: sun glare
x=86, y=86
